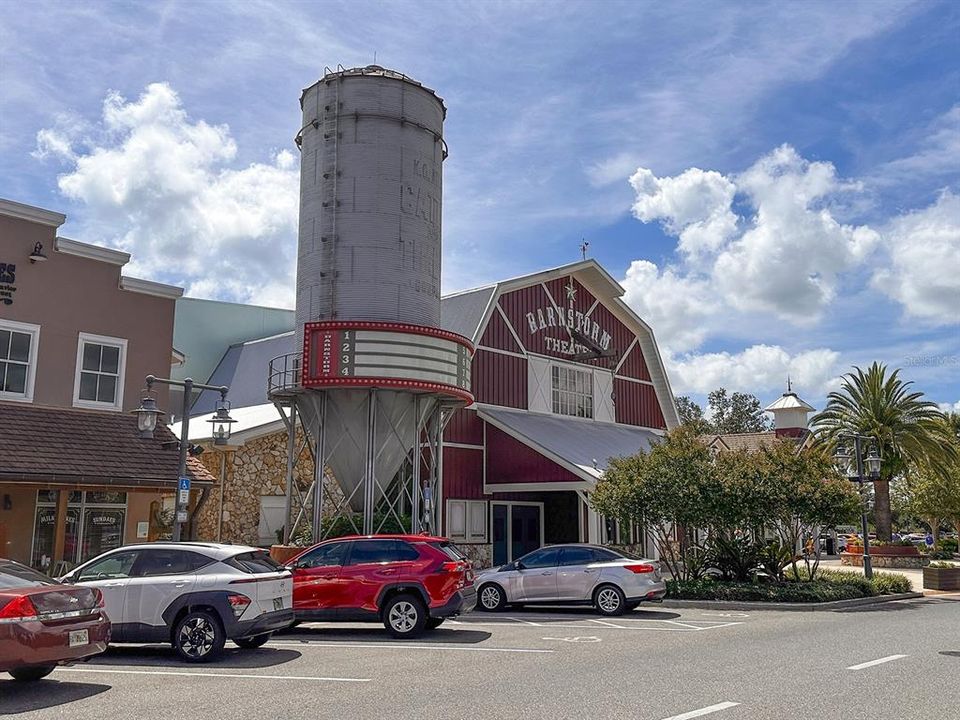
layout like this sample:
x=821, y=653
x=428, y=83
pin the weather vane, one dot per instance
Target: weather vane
x=583, y=248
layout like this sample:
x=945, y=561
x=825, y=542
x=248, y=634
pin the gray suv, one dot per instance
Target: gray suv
x=609, y=580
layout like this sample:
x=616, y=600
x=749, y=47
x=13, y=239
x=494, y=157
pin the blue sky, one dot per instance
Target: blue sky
x=775, y=184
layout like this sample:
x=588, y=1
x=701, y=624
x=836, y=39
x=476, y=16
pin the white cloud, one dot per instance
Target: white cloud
x=695, y=206
x=163, y=185
x=789, y=260
x=674, y=306
x=756, y=369
x=950, y=407
x=786, y=258
x=924, y=248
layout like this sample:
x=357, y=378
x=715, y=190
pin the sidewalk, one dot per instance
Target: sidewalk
x=915, y=575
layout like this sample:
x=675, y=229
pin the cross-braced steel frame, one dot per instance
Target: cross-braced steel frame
x=409, y=500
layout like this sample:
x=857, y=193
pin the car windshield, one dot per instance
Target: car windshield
x=255, y=562
x=15, y=575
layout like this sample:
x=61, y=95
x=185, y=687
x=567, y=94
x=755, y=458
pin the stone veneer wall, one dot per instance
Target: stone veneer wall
x=256, y=468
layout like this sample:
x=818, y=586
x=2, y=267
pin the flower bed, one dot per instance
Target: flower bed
x=830, y=585
x=889, y=556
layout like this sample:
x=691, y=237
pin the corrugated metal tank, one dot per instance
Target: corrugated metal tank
x=371, y=174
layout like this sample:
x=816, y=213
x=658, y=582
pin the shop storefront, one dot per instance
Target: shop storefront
x=95, y=523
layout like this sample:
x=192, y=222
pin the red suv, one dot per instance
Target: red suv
x=407, y=582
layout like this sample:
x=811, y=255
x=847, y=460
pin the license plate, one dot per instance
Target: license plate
x=79, y=637
x=278, y=603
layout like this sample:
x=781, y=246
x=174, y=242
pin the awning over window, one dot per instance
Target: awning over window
x=583, y=447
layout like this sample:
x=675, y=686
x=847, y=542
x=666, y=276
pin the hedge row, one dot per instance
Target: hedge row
x=830, y=585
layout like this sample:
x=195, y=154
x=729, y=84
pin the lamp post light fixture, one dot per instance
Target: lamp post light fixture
x=221, y=422
x=852, y=466
x=148, y=413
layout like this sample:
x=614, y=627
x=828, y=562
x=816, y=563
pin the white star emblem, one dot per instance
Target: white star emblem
x=571, y=291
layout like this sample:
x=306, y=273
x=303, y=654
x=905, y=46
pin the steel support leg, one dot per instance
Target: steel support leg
x=319, y=469
x=291, y=452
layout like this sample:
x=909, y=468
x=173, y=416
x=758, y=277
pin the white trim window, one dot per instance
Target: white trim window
x=467, y=521
x=100, y=372
x=572, y=391
x=18, y=360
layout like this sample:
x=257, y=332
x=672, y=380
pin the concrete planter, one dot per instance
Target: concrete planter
x=282, y=553
x=941, y=578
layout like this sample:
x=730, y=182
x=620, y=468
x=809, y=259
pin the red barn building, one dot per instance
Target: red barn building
x=565, y=377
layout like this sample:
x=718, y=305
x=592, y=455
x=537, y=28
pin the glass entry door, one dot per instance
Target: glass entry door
x=517, y=530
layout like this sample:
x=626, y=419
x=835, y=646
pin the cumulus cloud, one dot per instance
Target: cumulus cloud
x=924, y=275
x=950, y=407
x=757, y=368
x=789, y=260
x=676, y=307
x=694, y=206
x=785, y=257
x=165, y=184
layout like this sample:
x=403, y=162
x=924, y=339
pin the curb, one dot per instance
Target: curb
x=794, y=607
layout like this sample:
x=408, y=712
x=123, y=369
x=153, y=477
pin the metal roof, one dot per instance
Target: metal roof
x=788, y=401
x=462, y=313
x=582, y=446
x=243, y=369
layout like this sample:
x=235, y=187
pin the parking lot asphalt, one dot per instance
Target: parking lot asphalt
x=898, y=660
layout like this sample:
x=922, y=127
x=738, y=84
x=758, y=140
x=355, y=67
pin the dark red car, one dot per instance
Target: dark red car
x=43, y=624
x=408, y=582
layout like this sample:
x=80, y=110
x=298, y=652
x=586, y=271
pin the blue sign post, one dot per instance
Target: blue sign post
x=184, y=483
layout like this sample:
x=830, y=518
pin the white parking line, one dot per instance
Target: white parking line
x=660, y=626
x=703, y=711
x=403, y=646
x=888, y=658
x=184, y=673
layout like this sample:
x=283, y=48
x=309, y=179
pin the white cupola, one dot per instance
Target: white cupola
x=789, y=413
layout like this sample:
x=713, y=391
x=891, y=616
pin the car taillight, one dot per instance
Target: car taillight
x=451, y=567
x=238, y=603
x=640, y=569
x=17, y=610
x=98, y=597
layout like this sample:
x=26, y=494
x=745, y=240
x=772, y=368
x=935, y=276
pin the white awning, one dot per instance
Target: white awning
x=584, y=447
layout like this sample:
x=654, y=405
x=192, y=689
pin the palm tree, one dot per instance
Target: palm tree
x=906, y=428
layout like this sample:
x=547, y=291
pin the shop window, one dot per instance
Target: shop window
x=467, y=520
x=100, y=368
x=572, y=391
x=95, y=524
x=18, y=359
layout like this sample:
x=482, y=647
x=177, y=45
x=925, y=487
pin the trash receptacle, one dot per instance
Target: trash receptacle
x=831, y=544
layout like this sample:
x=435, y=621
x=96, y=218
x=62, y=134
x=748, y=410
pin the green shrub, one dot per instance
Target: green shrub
x=814, y=591
x=890, y=583
x=947, y=545
x=941, y=565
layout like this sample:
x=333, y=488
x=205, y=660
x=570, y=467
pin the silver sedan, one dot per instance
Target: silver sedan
x=578, y=574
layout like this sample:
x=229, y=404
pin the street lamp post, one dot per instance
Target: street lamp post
x=853, y=468
x=148, y=413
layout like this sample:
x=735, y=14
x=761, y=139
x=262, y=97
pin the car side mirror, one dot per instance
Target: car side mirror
x=519, y=565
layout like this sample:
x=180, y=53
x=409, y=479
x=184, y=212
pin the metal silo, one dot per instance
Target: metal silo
x=377, y=378
x=371, y=179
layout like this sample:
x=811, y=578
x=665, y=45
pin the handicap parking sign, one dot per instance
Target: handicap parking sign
x=184, y=483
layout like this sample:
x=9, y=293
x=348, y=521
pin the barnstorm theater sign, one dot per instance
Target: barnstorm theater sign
x=548, y=317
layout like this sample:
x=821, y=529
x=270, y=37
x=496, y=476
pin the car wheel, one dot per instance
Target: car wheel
x=252, y=643
x=491, y=598
x=404, y=616
x=35, y=672
x=434, y=623
x=609, y=600
x=198, y=636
